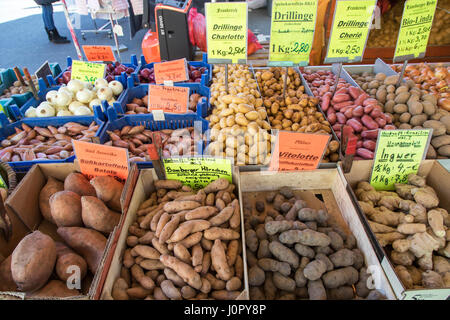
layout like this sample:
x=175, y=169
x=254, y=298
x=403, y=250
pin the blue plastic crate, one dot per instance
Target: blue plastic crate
x=6, y=103
x=206, y=77
x=8, y=78
x=122, y=78
x=9, y=129
x=141, y=90
x=172, y=121
x=19, y=113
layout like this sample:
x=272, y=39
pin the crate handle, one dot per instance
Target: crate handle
x=134, y=60
x=118, y=108
x=98, y=113
x=130, y=82
x=143, y=62
x=69, y=61
x=15, y=112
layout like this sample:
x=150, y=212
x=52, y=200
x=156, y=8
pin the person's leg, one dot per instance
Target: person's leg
x=47, y=16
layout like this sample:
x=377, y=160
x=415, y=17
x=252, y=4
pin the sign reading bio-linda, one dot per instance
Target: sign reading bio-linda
x=298, y=151
x=168, y=99
x=198, y=172
x=87, y=71
x=226, y=32
x=292, y=32
x=100, y=160
x=351, y=23
x=398, y=154
x=415, y=29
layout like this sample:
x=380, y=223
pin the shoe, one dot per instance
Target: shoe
x=54, y=37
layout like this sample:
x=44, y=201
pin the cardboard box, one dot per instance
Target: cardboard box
x=144, y=186
x=439, y=179
x=23, y=205
x=324, y=188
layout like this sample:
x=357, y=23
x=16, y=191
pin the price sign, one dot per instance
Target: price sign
x=398, y=154
x=173, y=71
x=100, y=160
x=87, y=71
x=298, y=151
x=414, y=29
x=292, y=32
x=168, y=99
x=351, y=22
x=99, y=53
x=226, y=32
x=2, y=109
x=198, y=172
x=43, y=72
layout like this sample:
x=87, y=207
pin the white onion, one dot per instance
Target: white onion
x=116, y=87
x=50, y=96
x=84, y=95
x=62, y=99
x=95, y=102
x=75, y=85
x=100, y=83
x=31, y=113
x=82, y=111
x=74, y=105
x=45, y=109
x=66, y=91
x=105, y=93
x=64, y=113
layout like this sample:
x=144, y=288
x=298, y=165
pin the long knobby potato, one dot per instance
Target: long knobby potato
x=185, y=271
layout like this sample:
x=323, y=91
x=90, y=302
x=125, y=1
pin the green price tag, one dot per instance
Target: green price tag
x=292, y=32
x=399, y=153
x=197, y=172
x=87, y=71
x=351, y=23
x=226, y=32
x=414, y=29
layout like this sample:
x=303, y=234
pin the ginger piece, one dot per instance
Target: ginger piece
x=411, y=228
x=390, y=202
x=441, y=265
x=436, y=222
x=422, y=246
x=419, y=212
x=445, y=251
x=388, y=238
x=365, y=185
x=372, y=196
x=402, y=258
x=367, y=208
x=442, y=242
x=416, y=180
x=404, y=190
x=387, y=217
x=404, y=276
x=401, y=245
x=416, y=275
x=380, y=228
x=426, y=197
x=432, y=280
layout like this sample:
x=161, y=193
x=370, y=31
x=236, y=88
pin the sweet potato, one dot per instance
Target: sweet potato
x=51, y=187
x=77, y=183
x=6, y=280
x=185, y=271
x=109, y=190
x=66, y=259
x=225, y=294
x=119, y=290
x=217, y=185
x=215, y=233
x=219, y=261
x=55, y=288
x=168, y=184
x=187, y=228
x=201, y=212
x=90, y=244
x=65, y=207
x=177, y=206
x=32, y=261
x=222, y=217
x=97, y=215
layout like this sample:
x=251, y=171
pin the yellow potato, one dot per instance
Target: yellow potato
x=252, y=115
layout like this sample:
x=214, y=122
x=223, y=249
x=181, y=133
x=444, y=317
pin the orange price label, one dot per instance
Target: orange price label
x=168, y=99
x=99, y=53
x=99, y=160
x=175, y=70
x=298, y=151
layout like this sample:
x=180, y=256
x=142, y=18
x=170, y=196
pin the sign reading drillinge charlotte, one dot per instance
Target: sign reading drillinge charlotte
x=351, y=23
x=226, y=32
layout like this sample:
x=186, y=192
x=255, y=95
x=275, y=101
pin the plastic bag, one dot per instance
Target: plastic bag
x=256, y=4
x=197, y=33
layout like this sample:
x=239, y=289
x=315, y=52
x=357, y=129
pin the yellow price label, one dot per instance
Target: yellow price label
x=226, y=32
x=292, y=32
x=197, y=172
x=351, y=23
x=414, y=29
x=398, y=154
x=87, y=71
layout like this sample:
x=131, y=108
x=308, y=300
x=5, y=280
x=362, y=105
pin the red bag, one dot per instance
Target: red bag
x=197, y=33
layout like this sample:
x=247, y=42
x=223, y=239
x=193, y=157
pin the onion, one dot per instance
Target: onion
x=51, y=96
x=82, y=111
x=45, y=109
x=95, y=102
x=67, y=91
x=75, y=85
x=116, y=87
x=100, y=83
x=31, y=113
x=62, y=99
x=74, y=105
x=84, y=95
x=105, y=93
x=64, y=113
x=88, y=85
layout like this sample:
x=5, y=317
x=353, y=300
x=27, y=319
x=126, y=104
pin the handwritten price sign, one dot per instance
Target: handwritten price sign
x=168, y=99
x=87, y=71
x=99, y=53
x=352, y=19
x=415, y=29
x=292, y=20
x=399, y=153
x=226, y=32
x=174, y=71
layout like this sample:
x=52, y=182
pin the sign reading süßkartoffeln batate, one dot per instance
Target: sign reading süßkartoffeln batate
x=226, y=32
x=415, y=29
x=292, y=32
x=351, y=23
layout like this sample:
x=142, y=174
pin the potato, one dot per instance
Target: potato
x=77, y=183
x=51, y=187
x=90, y=244
x=66, y=260
x=55, y=288
x=109, y=190
x=437, y=126
x=32, y=261
x=65, y=207
x=6, y=280
x=96, y=215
